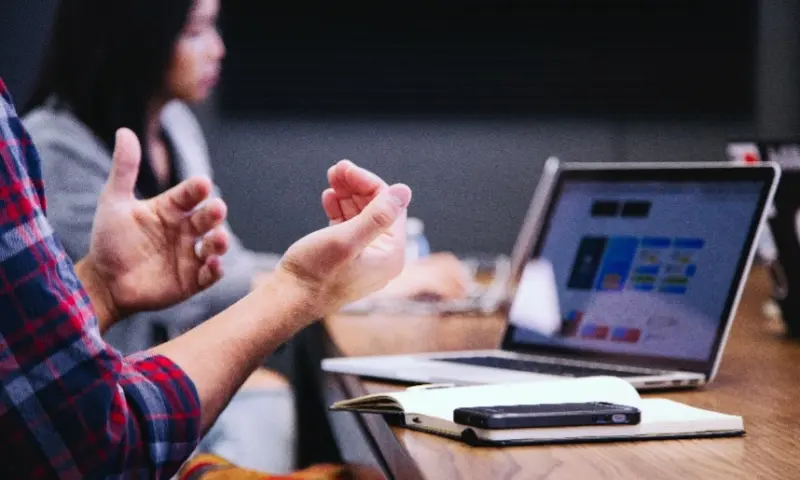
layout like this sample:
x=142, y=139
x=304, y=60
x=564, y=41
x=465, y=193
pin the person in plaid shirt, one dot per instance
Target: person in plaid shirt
x=73, y=407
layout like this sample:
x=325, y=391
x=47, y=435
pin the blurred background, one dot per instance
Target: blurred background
x=464, y=101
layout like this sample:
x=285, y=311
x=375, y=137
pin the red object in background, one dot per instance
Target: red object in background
x=750, y=157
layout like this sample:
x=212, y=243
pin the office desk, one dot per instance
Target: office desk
x=759, y=379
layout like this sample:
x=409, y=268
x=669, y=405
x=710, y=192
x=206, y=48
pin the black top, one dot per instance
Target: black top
x=147, y=184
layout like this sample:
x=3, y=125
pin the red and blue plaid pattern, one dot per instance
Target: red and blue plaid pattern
x=70, y=405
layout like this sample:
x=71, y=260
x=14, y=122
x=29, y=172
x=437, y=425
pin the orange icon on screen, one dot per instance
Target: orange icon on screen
x=611, y=281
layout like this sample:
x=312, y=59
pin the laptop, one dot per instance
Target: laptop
x=648, y=264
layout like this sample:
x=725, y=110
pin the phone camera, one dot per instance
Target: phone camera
x=618, y=418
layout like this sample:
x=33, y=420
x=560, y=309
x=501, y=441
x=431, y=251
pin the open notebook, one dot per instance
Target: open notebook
x=430, y=408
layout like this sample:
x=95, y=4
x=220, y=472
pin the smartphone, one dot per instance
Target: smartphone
x=547, y=415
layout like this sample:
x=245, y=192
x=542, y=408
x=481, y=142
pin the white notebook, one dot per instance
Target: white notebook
x=430, y=408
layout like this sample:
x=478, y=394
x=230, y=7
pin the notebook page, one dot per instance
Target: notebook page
x=666, y=416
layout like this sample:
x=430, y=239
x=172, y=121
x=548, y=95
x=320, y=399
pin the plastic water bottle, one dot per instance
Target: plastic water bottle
x=417, y=245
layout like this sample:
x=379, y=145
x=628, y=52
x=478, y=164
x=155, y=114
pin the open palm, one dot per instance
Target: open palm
x=364, y=246
x=144, y=250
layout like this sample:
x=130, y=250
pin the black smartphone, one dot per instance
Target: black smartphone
x=547, y=415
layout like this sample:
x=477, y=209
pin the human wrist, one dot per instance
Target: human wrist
x=258, y=278
x=302, y=296
x=99, y=293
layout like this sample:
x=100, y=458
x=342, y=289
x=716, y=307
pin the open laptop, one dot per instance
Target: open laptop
x=648, y=262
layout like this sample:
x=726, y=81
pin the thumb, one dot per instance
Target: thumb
x=378, y=216
x=124, y=164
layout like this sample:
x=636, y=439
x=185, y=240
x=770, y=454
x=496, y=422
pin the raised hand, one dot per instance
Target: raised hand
x=149, y=254
x=441, y=275
x=361, y=250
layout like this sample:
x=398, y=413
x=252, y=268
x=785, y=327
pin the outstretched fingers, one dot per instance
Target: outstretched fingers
x=181, y=200
x=208, y=217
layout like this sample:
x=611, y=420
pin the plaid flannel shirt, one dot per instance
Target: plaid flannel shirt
x=70, y=405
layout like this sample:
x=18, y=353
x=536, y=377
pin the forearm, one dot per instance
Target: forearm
x=221, y=353
x=242, y=270
x=106, y=312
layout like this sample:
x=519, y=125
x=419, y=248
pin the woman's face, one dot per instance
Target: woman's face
x=198, y=54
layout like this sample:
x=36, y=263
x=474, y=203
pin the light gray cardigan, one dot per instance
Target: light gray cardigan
x=75, y=166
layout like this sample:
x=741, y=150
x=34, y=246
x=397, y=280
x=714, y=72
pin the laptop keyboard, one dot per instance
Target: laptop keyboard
x=540, y=367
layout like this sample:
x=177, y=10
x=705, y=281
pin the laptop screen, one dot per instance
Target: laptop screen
x=644, y=268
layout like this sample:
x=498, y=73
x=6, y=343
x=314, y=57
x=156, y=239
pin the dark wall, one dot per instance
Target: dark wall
x=583, y=57
x=472, y=177
x=24, y=26
x=778, y=68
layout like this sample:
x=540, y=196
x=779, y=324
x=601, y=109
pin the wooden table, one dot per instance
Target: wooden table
x=759, y=379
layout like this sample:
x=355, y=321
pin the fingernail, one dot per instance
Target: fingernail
x=401, y=194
